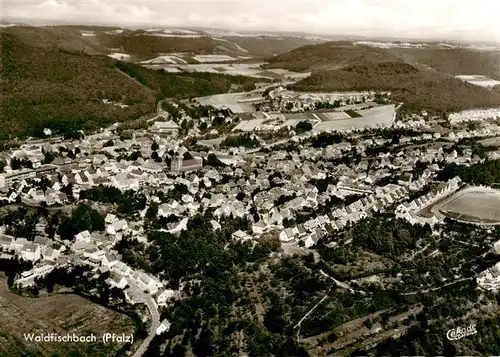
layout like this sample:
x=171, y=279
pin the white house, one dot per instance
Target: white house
x=109, y=260
x=117, y=280
x=83, y=237
x=164, y=326
x=110, y=218
x=240, y=236
x=215, y=225
x=30, y=252
x=165, y=296
x=496, y=247
x=117, y=226
x=259, y=227
x=311, y=240
x=147, y=282
x=51, y=254
x=287, y=235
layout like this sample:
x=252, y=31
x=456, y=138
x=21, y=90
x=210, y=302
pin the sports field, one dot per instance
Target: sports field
x=473, y=205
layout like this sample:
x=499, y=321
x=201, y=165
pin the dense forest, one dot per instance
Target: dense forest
x=328, y=56
x=486, y=173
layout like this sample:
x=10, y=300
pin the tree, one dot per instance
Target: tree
x=187, y=156
x=240, y=140
x=82, y=218
x=155, y=146
x=49, y=157
x=332, y=337
x=303, y=126
x=212, y=160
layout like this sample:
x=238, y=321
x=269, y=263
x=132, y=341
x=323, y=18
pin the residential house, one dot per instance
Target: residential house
x=240, y=236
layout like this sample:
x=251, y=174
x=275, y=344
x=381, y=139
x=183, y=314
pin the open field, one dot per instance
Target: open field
x=213, y=58
x=494, y=141
x=212, y=142
x=237, y=102
x=301, y=116
x=479, y=80
x=329, y=116
x=119, y=56
x=65, y=313
x=233, y=69
x=480, y=205
x=165, y=60
x=382, y=116
x=249, y=125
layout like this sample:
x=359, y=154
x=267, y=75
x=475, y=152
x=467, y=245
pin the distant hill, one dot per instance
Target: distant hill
x=42, y=84
x=328, y=56
x=333, y=55
x=145, y=44
x=455, y=61
x=414, y=76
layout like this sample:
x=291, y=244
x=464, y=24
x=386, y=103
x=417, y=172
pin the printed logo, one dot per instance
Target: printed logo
x=461, y=332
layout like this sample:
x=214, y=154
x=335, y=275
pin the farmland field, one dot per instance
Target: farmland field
x=473, y=205
x=479, y=80
x=382, y=116
x=237, y=102
x=328, y=116
x=65, y=313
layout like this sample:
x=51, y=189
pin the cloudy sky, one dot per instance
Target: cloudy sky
x=461, y=19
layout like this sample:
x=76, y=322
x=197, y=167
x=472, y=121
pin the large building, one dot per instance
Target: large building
x=181, y=165
x=7, y=179
x=165, y=127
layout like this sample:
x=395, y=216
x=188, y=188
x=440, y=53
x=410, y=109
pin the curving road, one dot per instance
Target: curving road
x=155, y=317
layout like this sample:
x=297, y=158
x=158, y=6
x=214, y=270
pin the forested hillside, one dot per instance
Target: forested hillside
x=422, y=78
x=45, y=86
x=328, y=56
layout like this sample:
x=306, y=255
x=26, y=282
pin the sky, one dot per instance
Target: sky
x=430, y=19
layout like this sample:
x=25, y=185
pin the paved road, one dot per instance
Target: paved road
x=155, y=318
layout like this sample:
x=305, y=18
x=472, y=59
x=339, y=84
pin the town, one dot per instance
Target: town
x=303, y=170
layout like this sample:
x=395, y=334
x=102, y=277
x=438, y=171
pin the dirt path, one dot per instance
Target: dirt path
x=308, y=313
x=436, y=289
